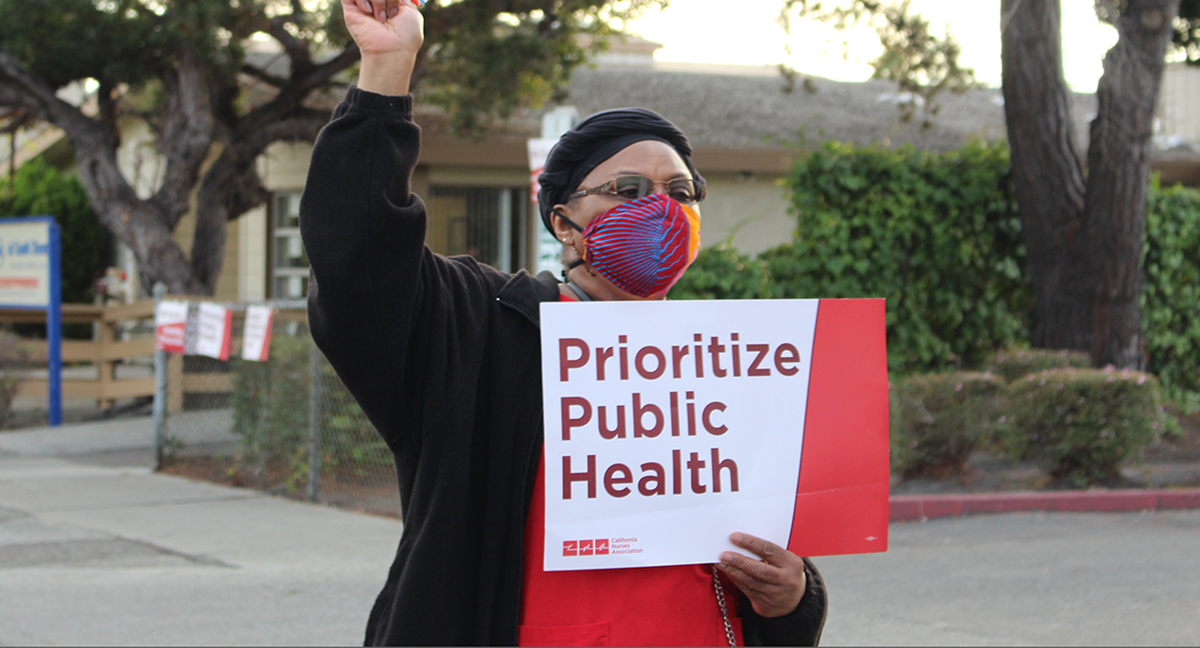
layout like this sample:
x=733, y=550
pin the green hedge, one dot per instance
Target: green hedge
x=939, y=420
x=1083, y=422
x=936, y=235
x=1014, y=363
x=1171, y=292
x=721, y=272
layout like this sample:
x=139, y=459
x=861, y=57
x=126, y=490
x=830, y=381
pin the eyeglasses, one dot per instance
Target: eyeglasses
x=632, y=187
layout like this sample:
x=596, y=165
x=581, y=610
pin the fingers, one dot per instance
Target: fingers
x=774, y=584
x=760, y=547
x=753, y=574
x=380, y=10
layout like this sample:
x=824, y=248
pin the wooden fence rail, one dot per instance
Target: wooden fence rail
x=104, y=352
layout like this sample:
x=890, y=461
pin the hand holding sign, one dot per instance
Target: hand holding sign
x=774, y=584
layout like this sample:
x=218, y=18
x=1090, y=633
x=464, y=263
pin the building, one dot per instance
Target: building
x=747, y=126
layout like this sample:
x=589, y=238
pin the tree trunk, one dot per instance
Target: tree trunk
x=139, y=224
x=1047, y=171
x=1108, y=256
x=1083, y=241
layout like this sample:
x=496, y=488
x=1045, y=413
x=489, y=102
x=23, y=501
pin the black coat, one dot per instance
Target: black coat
x=443, y=356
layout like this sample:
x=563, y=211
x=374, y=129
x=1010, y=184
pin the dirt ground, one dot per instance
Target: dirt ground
x=372, y=489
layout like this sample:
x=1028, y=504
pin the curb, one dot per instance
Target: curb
x=918, y=508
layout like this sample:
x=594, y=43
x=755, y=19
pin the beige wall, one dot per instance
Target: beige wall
x=1180, y=97
x=749, y=209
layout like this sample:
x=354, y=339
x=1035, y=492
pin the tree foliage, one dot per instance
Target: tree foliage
x=1082, y=216
x=40, y=190
x=921, y=62
x=1186, y=39
x=218, y=81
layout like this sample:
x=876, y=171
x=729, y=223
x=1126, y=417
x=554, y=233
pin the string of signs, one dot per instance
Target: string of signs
x=206, y=329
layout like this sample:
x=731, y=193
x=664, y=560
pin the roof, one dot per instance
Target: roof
x=747, y=107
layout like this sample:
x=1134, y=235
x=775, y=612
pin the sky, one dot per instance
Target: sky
x=745, y=32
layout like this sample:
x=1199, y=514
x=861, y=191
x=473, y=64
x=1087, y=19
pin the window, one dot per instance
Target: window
x=289, y=262
x=484, y=222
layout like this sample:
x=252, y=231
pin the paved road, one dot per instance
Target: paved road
x=97, y=550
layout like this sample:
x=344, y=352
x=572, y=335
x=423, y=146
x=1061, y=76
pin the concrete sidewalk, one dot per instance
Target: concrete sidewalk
x=96, y=549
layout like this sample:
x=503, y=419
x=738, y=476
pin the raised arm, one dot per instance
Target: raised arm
x=363, y=229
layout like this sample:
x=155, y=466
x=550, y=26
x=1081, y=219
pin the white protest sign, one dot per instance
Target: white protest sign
x=214, y=329
x=170, y=320
x=670, y=425
x=256, y=337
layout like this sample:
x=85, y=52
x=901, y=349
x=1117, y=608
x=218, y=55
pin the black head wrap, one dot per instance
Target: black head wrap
x=595, y=139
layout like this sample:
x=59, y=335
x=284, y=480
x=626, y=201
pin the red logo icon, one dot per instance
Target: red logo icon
x=597, y=547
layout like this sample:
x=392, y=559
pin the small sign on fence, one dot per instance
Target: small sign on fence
x=215, y=330
x=170, y=320
x=256, y=337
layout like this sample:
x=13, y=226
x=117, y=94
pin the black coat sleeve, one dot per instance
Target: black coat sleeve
x=395, y=320
x=800, y=628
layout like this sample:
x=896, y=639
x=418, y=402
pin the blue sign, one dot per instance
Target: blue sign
x=31, y=278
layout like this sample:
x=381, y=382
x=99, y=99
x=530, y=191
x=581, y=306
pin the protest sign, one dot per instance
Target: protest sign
x=170, y=320
x=670, y=425
x=256, y=336
x=214, y=331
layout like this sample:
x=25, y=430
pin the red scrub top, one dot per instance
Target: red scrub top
x=645, y=606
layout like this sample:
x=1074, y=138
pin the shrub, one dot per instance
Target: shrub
x=1084, y=422
x=1014, y=363
x=270, y=409
x=939, y=420
x=271, y=412
x=721, y=272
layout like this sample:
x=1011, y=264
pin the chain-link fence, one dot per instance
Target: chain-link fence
x=287, y=426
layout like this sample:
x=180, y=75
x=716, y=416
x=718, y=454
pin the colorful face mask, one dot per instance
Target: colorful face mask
x=643, y=246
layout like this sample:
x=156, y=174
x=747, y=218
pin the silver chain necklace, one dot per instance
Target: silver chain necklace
x=724, y=611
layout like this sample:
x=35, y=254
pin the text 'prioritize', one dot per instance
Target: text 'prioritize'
x=700, y=365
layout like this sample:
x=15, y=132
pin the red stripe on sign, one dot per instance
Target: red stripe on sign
x=227, y=335
x=266, y=343
x=842, y=494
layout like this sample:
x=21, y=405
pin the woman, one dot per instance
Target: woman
x=443, y=356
